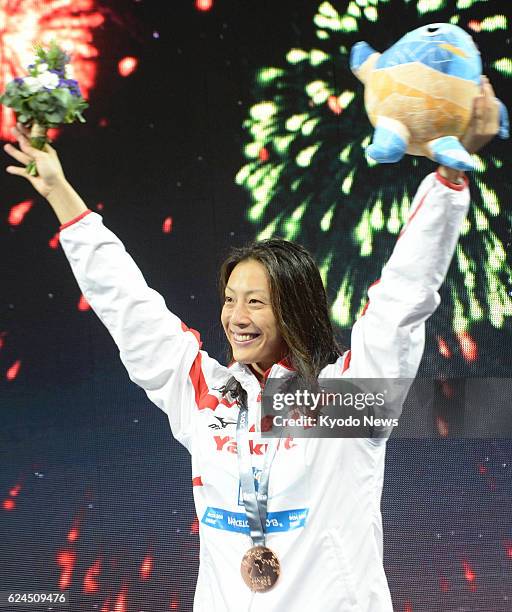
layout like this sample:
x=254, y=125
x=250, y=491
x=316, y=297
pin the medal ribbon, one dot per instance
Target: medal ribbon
x=255, y=504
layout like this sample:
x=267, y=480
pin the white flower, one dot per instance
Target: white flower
x=50, y=80
x=68, y=71
x=42, y=67
x=32, y=84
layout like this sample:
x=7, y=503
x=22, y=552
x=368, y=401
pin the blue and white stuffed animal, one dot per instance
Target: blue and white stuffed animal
x=419, y=94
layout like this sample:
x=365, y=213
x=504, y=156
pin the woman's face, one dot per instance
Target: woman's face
x=248, y=319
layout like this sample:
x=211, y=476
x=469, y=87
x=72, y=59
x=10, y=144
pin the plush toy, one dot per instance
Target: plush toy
x=419, y=94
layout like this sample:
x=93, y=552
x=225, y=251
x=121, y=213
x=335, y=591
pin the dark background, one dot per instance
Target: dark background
x=84, y=446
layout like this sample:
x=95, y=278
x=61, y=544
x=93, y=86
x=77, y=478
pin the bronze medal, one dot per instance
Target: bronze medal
x=260, y=569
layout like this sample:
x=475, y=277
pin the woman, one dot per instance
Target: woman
x=318, y=544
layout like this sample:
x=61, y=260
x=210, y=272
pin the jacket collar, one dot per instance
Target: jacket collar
x=244, y=373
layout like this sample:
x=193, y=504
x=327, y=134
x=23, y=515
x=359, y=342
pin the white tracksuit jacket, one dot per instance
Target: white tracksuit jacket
x=324, y=519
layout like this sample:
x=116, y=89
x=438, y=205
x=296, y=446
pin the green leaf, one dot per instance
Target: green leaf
x=63, y=95
x=55, y=117
x=39, y=105
x=31, y=168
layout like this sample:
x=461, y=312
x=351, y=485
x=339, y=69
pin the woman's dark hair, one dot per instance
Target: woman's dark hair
x=298, y=300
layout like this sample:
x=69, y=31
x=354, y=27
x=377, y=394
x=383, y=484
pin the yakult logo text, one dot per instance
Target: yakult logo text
x=228, y=444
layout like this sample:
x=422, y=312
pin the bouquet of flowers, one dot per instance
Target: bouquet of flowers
x=47, y=97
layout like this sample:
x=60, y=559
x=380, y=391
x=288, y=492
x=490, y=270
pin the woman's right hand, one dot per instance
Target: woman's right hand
x=49, y=169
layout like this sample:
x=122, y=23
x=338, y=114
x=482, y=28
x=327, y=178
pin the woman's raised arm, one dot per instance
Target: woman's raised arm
x=159, y=352
x=388, y=340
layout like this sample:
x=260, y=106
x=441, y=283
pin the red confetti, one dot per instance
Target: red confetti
x=408, y=606
x=443, y=347
x=167, y=225
x=469, y=575
x=120, y=605
x=482, y=469
x=53, y=134
x=106, y=605
x=9, y=504
x=334, y=104
x=54, y=242
x=263, y=154
x=447, y=389
x=74, y=532
x=442, y=427
x=174, y=603
x=15, y=490
x=127, y=65
x=475, y=25
x=444, y=584
x=13, y=371
x=103, y=122
x=90, y=583
x=2, y=336
x=194, y=527
x=146, y=567
x=83, y=304
x=18, y=212
x=73, y=535
x=66, y=559
x=468, y=346
x=99, y=206
x=204, y=5
x=508, y=548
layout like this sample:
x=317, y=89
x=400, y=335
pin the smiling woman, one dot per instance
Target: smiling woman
x=273, y=293
x=248, y=318
x=285, y=524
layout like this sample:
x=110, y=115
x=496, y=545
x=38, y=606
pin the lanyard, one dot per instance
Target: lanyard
x=255, y=504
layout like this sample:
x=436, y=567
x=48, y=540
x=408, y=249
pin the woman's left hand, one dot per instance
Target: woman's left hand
x=485, y=120
x=483, y=126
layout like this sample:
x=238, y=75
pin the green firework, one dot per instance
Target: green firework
x=309, y=178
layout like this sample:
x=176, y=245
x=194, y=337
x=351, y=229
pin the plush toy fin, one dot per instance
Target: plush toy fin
x=362, y=60
x=449, y=152
x=390, y=141
x=504, y=123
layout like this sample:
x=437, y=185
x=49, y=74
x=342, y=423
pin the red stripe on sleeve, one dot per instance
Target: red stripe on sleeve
x=68, y=223
x=447, y=183
x=444, y=181
x=368, y=302
x=454, y=186
x=346, y=363
x=203, y=397
x=413, y=214
x=197, y=335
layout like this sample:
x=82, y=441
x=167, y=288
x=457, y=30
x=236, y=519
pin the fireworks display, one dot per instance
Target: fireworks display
x=310, y=180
